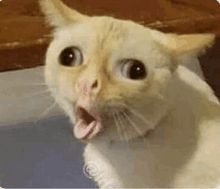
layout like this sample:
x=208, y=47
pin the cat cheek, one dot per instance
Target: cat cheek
x=162, y=77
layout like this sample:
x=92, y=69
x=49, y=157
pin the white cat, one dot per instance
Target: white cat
x=148, y=121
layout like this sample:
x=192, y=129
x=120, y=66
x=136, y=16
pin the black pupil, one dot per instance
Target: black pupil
x=137, y=70
x=67, y=56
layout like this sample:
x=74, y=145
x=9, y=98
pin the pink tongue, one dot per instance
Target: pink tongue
x=82, y=130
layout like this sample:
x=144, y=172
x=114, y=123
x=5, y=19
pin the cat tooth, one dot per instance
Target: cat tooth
x=97, y=128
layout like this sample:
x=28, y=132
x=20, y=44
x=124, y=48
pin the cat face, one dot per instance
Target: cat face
x=111, y=76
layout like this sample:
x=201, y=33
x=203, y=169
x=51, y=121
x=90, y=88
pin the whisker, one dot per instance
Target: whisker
x=118, y=127
x=46, y=111
x=50, y=96
x=41, y=92
x=38, y=84
x=125, y=135
x=137, y=114
x=132, y=123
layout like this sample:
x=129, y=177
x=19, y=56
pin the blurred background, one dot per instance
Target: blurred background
x=24, y=37
x=37, y=147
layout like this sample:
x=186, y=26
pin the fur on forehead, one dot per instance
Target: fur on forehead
x=61, y=17
x=93, y=26
x=100, y=36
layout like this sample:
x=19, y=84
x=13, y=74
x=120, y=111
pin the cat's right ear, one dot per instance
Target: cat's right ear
x=58, y=14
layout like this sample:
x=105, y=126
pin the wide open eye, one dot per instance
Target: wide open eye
x=71, y=56
x=133, y=69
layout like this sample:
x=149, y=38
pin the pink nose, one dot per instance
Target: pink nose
x=87, y=85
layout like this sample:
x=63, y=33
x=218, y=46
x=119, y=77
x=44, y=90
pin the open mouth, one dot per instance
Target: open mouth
x=84, y=115
x=87, y=125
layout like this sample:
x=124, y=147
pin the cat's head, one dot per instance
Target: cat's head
x=110, y=75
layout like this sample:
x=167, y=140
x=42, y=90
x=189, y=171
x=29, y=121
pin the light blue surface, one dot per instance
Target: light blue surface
x=41, y=155
x=45, y=154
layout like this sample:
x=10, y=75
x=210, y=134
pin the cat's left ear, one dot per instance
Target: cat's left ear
x=58, y=14
x=196, y=44
x=183, y=46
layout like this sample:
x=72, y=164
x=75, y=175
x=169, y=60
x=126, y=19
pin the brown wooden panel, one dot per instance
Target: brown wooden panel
x=23, y=34
x=22, y=57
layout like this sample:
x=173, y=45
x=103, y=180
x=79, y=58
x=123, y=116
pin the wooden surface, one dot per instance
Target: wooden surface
x=21, y=21
x=24, y=37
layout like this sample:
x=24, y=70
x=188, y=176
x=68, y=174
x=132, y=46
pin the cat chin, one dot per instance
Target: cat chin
x=112, y=139
x=109, y=134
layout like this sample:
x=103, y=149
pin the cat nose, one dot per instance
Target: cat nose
x=94, y=86
x=87, y=85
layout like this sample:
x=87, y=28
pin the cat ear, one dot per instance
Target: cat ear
x=196, y=44
x=182, y=46
x=58, y=14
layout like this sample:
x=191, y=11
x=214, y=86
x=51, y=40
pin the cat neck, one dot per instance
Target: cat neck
x=183, y=140
x=191, y=101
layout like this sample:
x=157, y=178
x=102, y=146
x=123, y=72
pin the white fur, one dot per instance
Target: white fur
x=181, y=154
x=177, y=103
